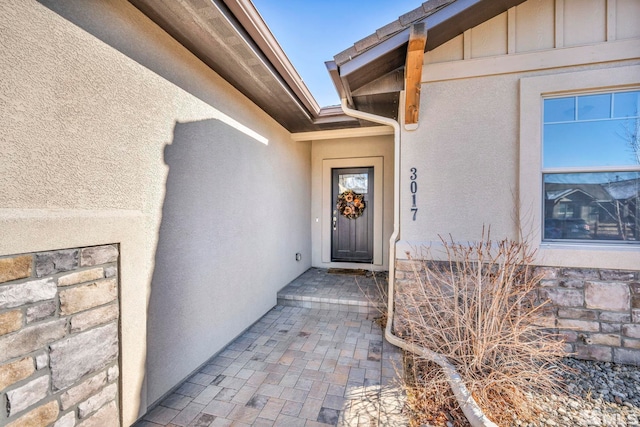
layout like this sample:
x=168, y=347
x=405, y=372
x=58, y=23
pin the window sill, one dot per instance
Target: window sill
x=577, y=246
x=594, y=255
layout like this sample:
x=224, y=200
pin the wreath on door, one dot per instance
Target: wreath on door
x=350, y=204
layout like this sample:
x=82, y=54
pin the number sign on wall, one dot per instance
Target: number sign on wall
x=413, y=186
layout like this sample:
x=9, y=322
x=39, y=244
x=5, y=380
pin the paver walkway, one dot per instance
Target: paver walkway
x=306, y=363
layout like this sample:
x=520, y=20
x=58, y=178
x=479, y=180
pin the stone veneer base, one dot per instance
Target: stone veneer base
x=59, y=345
x=597, y=311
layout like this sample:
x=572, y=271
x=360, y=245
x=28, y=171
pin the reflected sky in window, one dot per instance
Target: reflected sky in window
x=593, y=178
x=592, y=130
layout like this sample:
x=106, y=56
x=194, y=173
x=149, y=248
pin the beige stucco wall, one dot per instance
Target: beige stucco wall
x=348, y=152
x=114, y=133
x=474, y=138
x=466, y=155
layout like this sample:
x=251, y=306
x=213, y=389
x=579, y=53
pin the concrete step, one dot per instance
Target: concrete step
x=326, y=303
x=317, y=289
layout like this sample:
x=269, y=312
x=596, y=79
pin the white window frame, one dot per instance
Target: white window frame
x=532, y=91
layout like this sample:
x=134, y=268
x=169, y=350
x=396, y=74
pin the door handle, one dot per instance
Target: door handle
x=335, y=220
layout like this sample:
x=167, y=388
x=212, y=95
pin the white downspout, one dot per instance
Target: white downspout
x=467, y=403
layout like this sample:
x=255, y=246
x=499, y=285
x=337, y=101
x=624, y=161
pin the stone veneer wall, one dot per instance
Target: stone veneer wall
x=597, y=311
x=59, y=338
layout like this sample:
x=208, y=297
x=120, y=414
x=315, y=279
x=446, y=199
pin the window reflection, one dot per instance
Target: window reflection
x=358, y=182
x=591, y=167
x=592, y=107
x=559, y=110
x=603, y=131
x=592, y=143
x=627, y=104
x=596, y=206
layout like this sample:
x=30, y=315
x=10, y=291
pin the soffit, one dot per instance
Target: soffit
x=216, y=36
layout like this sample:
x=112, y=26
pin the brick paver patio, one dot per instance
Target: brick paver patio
x=318, y=360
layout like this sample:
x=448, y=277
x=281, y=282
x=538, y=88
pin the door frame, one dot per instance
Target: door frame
x=377, y=163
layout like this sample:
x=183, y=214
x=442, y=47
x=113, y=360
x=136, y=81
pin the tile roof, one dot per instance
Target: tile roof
x=427, y=8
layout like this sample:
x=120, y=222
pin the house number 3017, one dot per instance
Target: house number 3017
x=413, y=186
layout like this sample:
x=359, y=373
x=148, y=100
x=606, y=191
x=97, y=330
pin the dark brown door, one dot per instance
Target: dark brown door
x=352, y=215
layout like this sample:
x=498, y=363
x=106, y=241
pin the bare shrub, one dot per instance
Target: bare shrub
x=478, y=309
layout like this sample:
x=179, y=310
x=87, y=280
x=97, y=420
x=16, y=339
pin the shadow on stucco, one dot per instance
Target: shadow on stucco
x=205, y=219
x=207, y=209
x=229, y=217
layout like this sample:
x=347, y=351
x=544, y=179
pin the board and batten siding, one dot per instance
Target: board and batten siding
x=538, y=25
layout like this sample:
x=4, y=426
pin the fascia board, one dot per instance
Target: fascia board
x=249, y=17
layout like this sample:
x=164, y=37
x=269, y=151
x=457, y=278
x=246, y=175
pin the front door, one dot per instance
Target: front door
x=352, y=215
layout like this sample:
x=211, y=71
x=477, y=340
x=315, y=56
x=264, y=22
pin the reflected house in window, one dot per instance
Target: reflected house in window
x=358, y=182
x=624, y=207
x=603, y=211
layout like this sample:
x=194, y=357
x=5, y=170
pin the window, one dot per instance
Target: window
x=358, y=182
x=591, y=167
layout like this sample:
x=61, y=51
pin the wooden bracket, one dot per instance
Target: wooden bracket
x=413, y=72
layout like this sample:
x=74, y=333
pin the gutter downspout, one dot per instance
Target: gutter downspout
x=467, y=403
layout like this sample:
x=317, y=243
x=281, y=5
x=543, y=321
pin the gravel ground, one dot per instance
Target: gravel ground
x=598, y=394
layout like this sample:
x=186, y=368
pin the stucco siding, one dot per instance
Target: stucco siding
x=110, y=122
x=465, y=154
x=476, y=154
x=471, y=145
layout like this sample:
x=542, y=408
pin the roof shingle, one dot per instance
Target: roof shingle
x=427, y=8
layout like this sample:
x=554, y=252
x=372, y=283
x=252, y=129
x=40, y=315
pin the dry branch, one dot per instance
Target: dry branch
x=479, y=309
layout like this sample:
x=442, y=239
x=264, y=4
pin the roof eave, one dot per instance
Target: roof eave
x=249, y=17
x=232, y=39
x=443, y=24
